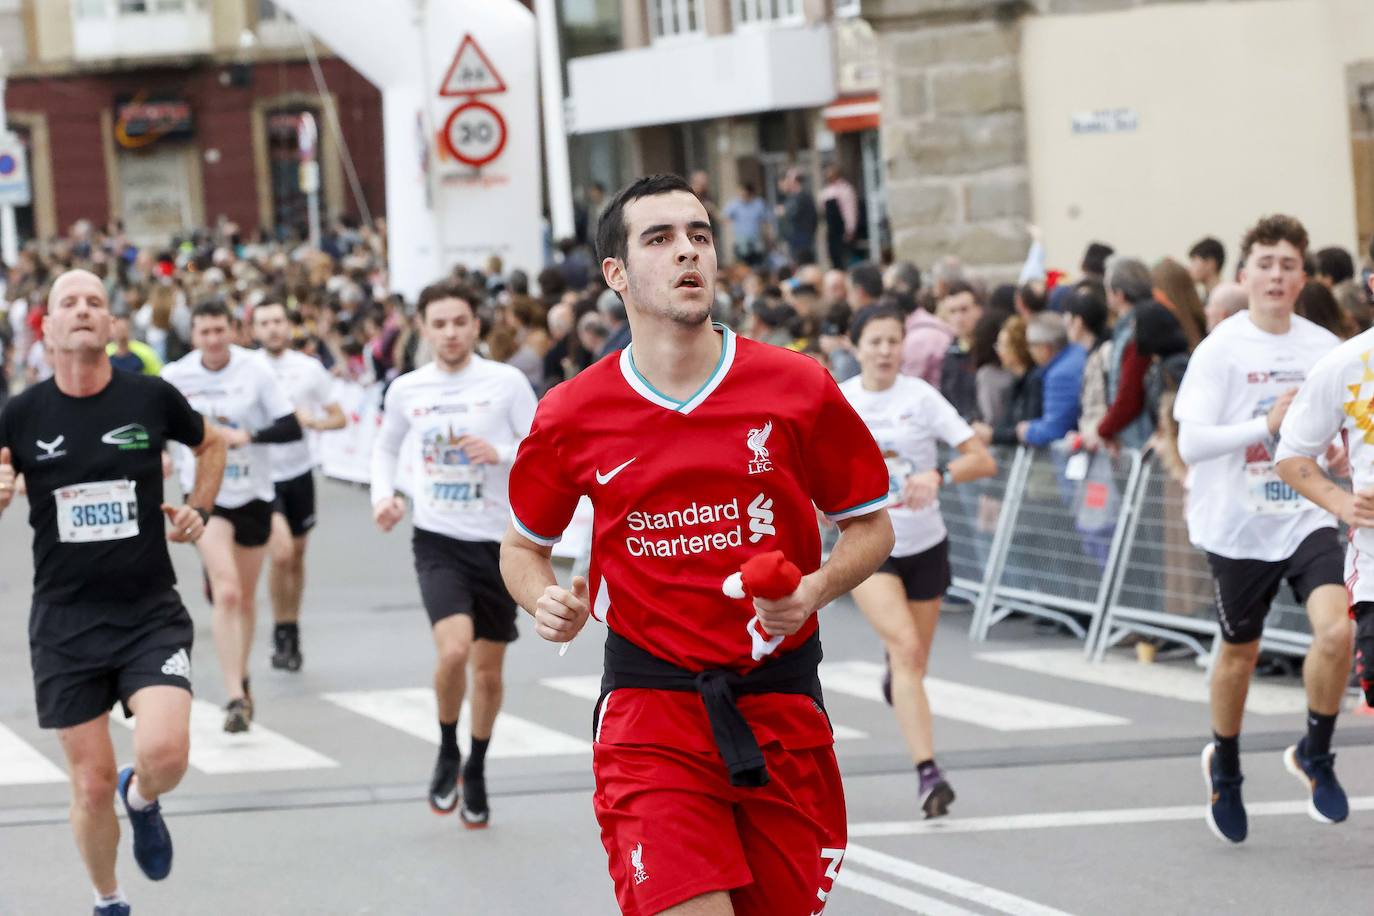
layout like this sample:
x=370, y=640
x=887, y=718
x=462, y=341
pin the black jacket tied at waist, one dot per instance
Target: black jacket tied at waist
x=627, y=665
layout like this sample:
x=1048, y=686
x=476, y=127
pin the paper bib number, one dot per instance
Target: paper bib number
x=456, y=488
x=103, y=511
x=898, y=470
x=1269, y=495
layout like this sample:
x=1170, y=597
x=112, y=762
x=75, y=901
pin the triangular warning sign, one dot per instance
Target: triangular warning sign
x=471, y=73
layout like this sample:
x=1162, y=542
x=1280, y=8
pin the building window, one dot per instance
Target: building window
x=670, y=19
x=846, y=8
x=769, y=12
x=269, y=11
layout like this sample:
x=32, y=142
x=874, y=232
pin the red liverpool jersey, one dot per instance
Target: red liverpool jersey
x=685, y=492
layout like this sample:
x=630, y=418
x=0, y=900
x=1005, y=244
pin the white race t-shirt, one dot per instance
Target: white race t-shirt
x=453, y=497
x=308, y=385
x=906, y=420
x=1338, y=396
x=242, y=395
x=1237, y=506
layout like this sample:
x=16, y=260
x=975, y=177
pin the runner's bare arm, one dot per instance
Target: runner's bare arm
x=1306, y=476
x=333, y=419
x=210, y=458
x=865, y=541
x=559, y=614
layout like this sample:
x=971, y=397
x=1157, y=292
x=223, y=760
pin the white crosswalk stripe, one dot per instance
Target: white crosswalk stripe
x=257, y=750
x=21, y=764
x=412, y=710
x=588, y=687
x=993, y=709
x=1171, y=681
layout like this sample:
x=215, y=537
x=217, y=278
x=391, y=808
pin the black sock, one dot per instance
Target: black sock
x=925, y=767
x=246, y=691
x=1228, y=754
x=448, y=738
x=1319, y=729
x=477, y=757
x=286, y=629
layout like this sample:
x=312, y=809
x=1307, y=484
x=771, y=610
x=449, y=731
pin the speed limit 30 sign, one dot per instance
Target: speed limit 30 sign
x=475, y=133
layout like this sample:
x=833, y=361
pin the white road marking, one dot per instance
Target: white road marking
x=412, y=710
x=21, y=764
x=1162, y=680
x=945, y=883
x=1105, y=818
x=588, y=687
x=896, y=895
x=1006, y=712
x=258, y=750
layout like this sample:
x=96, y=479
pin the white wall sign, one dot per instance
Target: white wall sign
x=1106, y=121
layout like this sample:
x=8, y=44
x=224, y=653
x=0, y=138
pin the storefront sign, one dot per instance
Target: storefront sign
x=141, y=121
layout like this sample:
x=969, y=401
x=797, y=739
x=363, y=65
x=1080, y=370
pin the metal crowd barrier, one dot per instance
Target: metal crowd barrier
x=1165, y=587
x=973, y=515
x=1066, y=524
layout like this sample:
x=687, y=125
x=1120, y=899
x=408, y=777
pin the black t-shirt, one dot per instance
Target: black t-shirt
x=98, y=459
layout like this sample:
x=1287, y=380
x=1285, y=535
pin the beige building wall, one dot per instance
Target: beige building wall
x=1243, y=110
x=52, y=26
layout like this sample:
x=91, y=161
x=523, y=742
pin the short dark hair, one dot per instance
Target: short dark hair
x=212, y=308
x=1335, y=263
x=1271, y=230
x=612, y=235
x=874, y=313
x=445, y=289
x=271, y=304
x=1209, y=249
x=1032, y=297
x=959, y=287
x=867, y=277
x=1090, y=307
x=908, y=274
x=1095, y=258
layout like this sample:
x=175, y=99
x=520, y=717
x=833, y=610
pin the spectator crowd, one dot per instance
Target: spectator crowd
x=1095, y=356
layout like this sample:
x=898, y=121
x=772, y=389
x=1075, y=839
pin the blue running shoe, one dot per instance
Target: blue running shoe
x=1225, y=810
x=1328, y=804
x=152, y=842
x=934, y=793
x=113, y=909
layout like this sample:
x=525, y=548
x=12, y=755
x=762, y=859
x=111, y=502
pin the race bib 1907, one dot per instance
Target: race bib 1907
x=106, y=510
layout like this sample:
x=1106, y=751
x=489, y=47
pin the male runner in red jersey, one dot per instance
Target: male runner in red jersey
x=717, y=789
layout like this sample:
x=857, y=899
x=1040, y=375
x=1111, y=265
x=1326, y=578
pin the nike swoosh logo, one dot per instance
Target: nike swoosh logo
x=604, y=479
x=446, y=801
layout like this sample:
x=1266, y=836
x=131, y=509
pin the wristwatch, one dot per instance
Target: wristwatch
x=946, y=476
x=204, y=515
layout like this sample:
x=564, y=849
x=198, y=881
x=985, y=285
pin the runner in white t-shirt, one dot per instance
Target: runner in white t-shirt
x=1258, y=531
x=310, y=387
x=236, y=390
x=909, y=419
x=468, y=415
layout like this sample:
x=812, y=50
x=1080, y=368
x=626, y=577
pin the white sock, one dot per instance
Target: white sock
x=106, y=899
x=136, y=802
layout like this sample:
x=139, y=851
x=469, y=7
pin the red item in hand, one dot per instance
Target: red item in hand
x=770, y=576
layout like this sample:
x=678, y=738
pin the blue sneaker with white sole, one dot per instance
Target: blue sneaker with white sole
x=1327, y=803
x=152, y=842
x=1225, y=810
x=113, y=909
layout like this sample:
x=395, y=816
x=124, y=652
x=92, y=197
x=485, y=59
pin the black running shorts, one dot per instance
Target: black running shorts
x=925, y=575
x=464, y=577
x=86, y=657
x=1245, y=589
x=296, y=503
x=252, y=522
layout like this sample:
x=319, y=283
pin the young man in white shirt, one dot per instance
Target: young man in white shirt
x=236, y=390
x=309, y=386
x=469, y=415
x=1258, y=531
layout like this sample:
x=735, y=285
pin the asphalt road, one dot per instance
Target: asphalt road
x=1079, y=787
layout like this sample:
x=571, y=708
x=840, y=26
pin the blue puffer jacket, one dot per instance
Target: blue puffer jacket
x=1062, y=378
